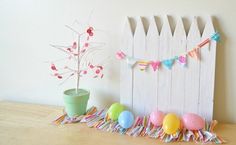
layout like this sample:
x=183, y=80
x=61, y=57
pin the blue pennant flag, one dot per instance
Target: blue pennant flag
x=131, y=61
x=168, y=63
x=216, y=37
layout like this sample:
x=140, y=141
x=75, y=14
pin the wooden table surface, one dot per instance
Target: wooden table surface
x=30, y=124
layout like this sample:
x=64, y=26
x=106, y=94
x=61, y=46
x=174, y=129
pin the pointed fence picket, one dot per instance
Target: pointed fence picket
x=126, y=73
x=139, y=78
x=152, y=42
x=207, y=73
x=164, y=82
x=192, y=72
x=178, y=72
x=179, y=89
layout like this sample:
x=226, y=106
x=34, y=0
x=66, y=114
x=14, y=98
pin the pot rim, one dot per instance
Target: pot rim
x=85, y=92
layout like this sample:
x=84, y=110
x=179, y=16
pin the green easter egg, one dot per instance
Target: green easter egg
x=115, y=110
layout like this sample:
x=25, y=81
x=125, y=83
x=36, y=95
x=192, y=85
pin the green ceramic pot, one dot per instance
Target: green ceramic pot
x=75, y=102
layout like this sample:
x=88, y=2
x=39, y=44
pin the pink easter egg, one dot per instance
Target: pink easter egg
x=193, y=121
x=156, y=118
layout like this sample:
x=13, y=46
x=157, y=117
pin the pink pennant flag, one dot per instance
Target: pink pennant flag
x=182, y=60
x=194, y=53
x=143, y=65
x=120, y=55
x=155, y=65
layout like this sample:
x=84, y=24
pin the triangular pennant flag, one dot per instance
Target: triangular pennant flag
x=204, y=43
x=168, y=63
x=143, y=65
x=216, y=37
x=182, y=60
x=131, y=61
x=120, y=55
x=194, y=53
x=155, y=65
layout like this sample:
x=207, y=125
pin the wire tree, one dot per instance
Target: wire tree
x=78, y=57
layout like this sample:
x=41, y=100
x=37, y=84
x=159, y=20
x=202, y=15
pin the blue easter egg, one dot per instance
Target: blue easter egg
x=126, y=119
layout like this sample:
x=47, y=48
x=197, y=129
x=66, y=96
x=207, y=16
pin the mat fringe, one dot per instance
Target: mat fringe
x=142, y=127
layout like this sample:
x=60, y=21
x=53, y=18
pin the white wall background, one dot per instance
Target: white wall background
x=27, y=27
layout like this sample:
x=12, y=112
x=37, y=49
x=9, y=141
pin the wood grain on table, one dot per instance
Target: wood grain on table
x=30, y=124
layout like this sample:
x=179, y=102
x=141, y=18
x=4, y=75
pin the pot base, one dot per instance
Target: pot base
x=75, y=102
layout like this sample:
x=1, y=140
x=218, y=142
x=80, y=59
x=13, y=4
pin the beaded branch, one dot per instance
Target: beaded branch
x=79, y=52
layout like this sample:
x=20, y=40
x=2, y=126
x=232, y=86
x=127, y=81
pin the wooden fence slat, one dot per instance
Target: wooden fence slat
x=126, y=74
x=164, y=80
x=178, y=71
x=153, y=44
x=139, y=77
x=207, y=73
x=192, y=71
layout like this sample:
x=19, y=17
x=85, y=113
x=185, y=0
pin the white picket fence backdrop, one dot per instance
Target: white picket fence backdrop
x=179, y=90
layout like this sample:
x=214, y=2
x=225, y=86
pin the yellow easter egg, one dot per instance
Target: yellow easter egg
x=171, y=123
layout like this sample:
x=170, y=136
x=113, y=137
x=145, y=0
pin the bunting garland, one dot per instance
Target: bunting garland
x=167, y=63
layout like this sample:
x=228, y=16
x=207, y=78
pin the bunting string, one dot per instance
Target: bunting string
x=167, y=63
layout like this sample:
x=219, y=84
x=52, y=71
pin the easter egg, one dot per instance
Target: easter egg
x=126, y=119
x=171, y=123
x=193, y=121
x=156, y=118
x=115, y=110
